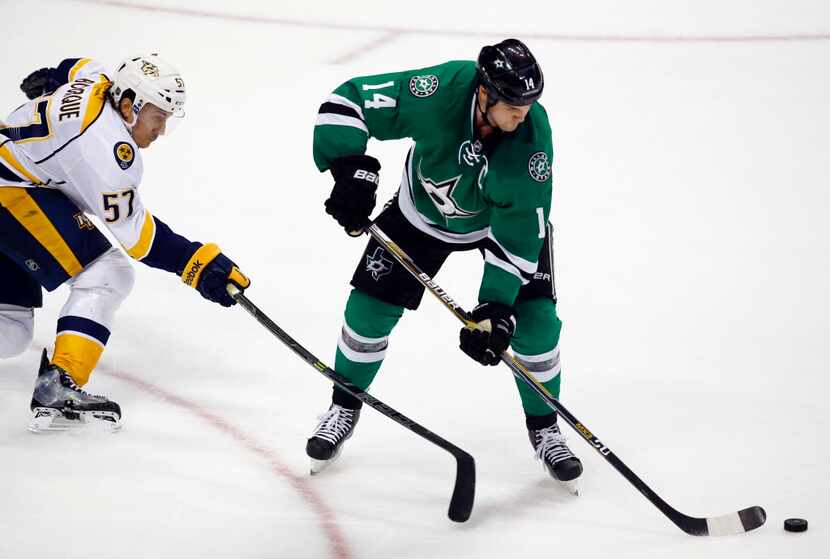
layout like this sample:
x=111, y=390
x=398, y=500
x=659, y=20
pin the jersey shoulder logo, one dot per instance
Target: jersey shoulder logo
x=124, y=155
x=423, y=86
x=539, y=166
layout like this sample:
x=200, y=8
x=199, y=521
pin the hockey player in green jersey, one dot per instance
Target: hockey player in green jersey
x=478, y=176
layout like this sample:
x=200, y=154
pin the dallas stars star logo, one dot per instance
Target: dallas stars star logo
x=377, y=264
x=441, y=195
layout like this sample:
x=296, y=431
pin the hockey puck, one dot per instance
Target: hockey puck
x=795, y=525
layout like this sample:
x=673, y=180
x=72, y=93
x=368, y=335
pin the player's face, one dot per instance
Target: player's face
x=151, y=123
x=507, y=117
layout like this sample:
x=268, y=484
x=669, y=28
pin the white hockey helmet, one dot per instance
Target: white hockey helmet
x=152, y=80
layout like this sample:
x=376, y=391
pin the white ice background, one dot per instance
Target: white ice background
x=691, y=208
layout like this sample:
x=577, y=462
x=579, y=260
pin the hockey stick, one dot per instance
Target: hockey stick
x=734, y=523
x=463, y=493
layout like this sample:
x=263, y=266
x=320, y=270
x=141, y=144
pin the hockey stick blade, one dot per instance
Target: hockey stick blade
x=734, y=523
x=739, y=522
x=463, y=494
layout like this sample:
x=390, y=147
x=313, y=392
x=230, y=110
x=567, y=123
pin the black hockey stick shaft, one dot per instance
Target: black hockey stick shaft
x=742, y=521
x=461, y=502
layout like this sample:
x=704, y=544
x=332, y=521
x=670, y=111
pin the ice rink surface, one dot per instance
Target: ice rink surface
x=691, y=206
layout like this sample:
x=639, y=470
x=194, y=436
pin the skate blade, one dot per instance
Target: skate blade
x=318, y=466
x=571, y=486
x=48, y=420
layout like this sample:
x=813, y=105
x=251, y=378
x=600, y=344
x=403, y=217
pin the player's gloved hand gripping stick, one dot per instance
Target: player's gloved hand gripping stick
x=209, y=271
x=353, y=197
x=733, y=523
x=494, y=326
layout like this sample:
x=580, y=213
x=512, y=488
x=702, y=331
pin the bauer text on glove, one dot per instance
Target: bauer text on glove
x=353, y=196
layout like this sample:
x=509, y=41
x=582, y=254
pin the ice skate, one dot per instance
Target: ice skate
x=559, y=461
x=326, y=443
x=58, y=404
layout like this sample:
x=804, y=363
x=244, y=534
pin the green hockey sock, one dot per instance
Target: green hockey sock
x=363, y=339
x=536, y=345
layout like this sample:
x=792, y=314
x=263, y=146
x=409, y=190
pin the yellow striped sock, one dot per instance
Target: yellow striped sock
x=77, y=355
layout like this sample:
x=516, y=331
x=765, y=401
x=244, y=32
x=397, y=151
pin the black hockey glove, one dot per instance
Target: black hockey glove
x=40, y=82
x=209, y=272
x=495, y=325
x=353, y=196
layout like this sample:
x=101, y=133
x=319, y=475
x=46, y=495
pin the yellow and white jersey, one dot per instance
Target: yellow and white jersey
x=75, y=141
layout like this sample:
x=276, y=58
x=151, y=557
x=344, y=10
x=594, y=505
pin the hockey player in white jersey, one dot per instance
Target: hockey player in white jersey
x=70, y=152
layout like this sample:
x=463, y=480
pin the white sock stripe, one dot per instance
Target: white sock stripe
x=362, y=347
x=543, y=367
x=357, y=356
x=539, y=357
x=546, y=376
x=363, y=339
x=341, y=120
x=540, y=366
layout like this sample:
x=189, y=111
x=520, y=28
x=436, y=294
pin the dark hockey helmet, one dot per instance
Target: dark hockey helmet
x=510, y=73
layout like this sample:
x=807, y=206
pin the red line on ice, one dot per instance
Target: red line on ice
x=337, y=541
x=607, y=38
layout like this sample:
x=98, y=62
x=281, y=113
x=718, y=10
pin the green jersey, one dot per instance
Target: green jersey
x=457, y=187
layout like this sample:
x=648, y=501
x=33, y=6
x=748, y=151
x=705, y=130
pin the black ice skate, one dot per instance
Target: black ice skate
x=59, y=404
x=561, y=464
x=325, y=444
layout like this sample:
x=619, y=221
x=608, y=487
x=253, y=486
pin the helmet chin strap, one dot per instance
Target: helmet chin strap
x=491, y=102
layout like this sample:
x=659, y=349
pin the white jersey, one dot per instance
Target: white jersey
x=74, y=140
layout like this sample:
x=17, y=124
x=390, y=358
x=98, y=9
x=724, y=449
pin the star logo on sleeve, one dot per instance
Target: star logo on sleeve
x=539, y=166
x=423, y=86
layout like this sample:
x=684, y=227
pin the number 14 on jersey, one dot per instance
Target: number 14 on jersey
x=379, y=100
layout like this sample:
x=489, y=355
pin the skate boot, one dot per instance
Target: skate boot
x=59, y=404
x=561, y=464
x=325, y=444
